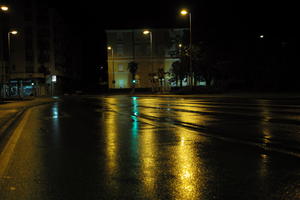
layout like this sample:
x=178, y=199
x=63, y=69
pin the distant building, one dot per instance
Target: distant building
x=40, y=58
x=132, y=45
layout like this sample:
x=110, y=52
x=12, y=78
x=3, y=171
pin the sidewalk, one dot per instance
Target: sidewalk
x=11, y=109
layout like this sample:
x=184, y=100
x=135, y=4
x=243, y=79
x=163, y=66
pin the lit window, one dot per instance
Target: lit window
x=120, y=67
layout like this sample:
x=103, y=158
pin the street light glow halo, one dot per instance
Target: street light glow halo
x=4, y=8
x=14, y=32
x=109, y=48
x=184, y=12
x=146, y=32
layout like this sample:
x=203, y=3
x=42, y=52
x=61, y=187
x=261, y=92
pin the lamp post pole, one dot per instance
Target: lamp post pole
x=146, y=32
x=113, y=67
x=184, y=12
x=191, y=70
x=3, y=9
x=14, y=32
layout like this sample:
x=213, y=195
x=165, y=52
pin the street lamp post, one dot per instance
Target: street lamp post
x=146, y=32
x=13, y=32
x=113, y=67
x=3, y=9
x=185, y=12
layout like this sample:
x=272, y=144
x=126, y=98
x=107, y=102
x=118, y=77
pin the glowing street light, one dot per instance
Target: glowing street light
x=4, y=8
x=185, y=12
x=146, y=32
x=14, y=32
x=113, y=67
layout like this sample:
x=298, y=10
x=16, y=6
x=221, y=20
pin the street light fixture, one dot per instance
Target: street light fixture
x=185, y=12
x=14, y=32
x=4, y=8
x=113, y=67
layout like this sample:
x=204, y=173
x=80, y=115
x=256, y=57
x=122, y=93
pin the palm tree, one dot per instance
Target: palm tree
x=133, y=67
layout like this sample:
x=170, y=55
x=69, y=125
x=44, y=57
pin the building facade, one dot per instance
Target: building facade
x=38, y=57
x=150, y=51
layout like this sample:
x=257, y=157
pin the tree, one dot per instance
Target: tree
x=206, y=63
x=180, y=68
x=133, y=67
x=179, y=71
x=161, y=77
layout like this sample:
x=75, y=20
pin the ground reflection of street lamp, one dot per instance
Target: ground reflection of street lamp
x=113, y=67
x=185, y=12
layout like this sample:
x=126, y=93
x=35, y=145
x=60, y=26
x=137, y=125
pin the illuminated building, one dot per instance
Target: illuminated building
x=134, y=45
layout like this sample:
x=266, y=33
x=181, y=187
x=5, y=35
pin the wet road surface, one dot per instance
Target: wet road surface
x=122, y=147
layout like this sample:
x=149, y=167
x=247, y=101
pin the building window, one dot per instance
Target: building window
x=29, y=68
x=29, y=56
x=43, y=32
x=43, y=57
x=120, y=50
x=28, y=15
x=120, y=36
x=120, y=67
x=27, y=3
x=121, y=83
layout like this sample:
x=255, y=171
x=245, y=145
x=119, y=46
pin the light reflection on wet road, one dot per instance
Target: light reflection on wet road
x=122, y=147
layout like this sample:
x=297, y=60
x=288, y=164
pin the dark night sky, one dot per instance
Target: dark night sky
x=230, y=20
x=254, y=15
x=212, y=19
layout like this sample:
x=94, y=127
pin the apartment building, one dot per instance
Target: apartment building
x=150, y=50
x=39, y=56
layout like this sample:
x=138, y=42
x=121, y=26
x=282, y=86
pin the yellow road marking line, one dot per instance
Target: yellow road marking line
x=8, y=150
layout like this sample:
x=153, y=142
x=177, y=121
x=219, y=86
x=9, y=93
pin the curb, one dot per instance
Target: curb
x=9, y=125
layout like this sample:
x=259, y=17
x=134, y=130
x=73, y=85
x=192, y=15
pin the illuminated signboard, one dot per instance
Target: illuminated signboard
x=53, y=78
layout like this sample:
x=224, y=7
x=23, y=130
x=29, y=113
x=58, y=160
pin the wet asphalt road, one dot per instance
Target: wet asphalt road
x=122, y=147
